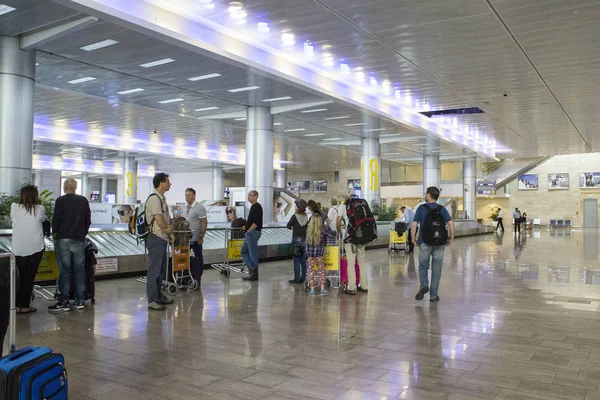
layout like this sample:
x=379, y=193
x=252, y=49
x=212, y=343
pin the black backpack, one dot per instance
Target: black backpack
x=362, y=228
x=433, y=231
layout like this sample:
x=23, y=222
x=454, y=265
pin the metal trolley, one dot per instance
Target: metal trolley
x=398, y=242
x=331, y=261
x=234, y=240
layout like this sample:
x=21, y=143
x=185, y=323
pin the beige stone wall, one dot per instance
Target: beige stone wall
x=333, y=189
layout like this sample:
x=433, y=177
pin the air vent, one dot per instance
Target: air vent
x=454, y=111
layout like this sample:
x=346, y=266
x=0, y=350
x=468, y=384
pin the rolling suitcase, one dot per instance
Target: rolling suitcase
x=344, y=272
x=32, y=373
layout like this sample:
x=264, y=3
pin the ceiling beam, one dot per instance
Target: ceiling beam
x=37, y=39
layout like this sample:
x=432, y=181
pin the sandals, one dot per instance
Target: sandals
x=31, y=310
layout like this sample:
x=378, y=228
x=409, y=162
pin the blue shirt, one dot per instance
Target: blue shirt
x=422, y=213
x=409, y=216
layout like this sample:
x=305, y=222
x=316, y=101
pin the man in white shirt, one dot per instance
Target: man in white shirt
x=517, y=220
x=409, y=215
x=499, y=220
x=195, y=214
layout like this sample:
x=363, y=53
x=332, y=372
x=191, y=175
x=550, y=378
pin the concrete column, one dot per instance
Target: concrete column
x=17, y=88
x=470, y=188
x=431, y=164
x=218, y=182
x=259, y=157
x=85, y=185
x=37, y=178
x=104, y=188
x=370, y=160
x=506, y=189
x=280, y=178
x=130, y=179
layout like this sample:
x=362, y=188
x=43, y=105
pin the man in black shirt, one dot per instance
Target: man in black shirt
x=253, y=231
x=70, y=224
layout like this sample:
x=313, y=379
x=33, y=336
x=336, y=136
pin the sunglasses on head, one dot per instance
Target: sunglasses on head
x=279, y=204
x=229, y=211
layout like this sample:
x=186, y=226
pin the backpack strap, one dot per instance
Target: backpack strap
x=161, y=208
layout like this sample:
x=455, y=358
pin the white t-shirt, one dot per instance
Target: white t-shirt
x=332, y=216
x=345, y=221
x=28, y=235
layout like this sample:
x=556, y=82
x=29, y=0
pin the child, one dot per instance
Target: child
x=315, y=248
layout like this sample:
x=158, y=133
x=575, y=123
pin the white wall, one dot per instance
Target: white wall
x=200, y=181
x=145, y=188
x=50, y=180
x=411, y=191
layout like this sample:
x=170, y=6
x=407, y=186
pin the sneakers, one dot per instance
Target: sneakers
x=360, y=289
x=79, y=305
x=156, y=306
x=312, y=293
x=253, y=275
x=58, y=307
x=434, y=299
x=292, y=281
x=165, y=300
x=421, y=293
x=351, y=292
x=324, y=292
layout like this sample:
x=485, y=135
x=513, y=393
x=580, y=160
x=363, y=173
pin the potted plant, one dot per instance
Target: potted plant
x=6, y=200
x=494, y=211
x=383, y=212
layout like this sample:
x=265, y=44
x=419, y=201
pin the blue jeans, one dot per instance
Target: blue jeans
x=436, y=254
x=250, y=249
x=300, y=261
x=71, y=261
x=157, y=267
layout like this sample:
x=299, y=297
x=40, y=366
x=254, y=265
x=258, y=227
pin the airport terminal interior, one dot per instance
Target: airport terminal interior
x=492, y=102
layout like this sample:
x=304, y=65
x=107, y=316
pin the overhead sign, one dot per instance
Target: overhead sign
x=486, y=188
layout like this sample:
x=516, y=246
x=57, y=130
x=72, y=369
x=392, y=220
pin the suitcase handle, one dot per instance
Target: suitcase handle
x=13, y=294
x=15, y=356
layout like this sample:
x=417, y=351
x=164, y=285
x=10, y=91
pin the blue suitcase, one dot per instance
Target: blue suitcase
x=32, y=373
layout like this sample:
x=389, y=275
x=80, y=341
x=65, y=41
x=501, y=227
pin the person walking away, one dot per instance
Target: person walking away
x=70, y=225
x=195, y=214
x=253, y=230
x=316, y=236
x=434, y=222
x=499, y=223
x=409, y=216
x=517, y=220
x=28, y=244
x=161, y=232
x=298, y=224
x=333, y=214
x=354, y=252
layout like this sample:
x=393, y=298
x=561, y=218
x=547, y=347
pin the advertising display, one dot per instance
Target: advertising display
x=319, y=186
x=356, y=185
x=528, y=182
x=589, y=180
x=303, y=186
x=558, y=181
x=486, y=188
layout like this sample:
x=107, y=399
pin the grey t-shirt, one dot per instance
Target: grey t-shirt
x=193, y=215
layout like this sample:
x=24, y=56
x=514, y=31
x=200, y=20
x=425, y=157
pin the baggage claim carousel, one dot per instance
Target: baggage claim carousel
x=120, y=255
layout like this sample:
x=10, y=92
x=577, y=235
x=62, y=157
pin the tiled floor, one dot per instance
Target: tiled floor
x=518, y=320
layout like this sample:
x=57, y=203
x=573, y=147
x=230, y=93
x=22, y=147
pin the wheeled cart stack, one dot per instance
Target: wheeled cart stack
x=234, y=240
x=180, y=272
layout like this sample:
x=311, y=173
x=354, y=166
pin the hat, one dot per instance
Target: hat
x=301, y=204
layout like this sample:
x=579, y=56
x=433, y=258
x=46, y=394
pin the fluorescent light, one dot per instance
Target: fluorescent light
x=278, y=123
x=202, y=77
x=294, y=130
x=313, y=111
x=81, y=80
x=263, y=27
x=375, y=130
x=240, y=119
x=356, y=124
x=315, y=134
x=309, y=50
x=129, y=91
x=4, y=9
x=99, y=45
x=206, y=109
x=279, y=98
x=243, y=89
x=171, y=101
x=373, y=81
x=334, y=138
x=332, y=118
x=157, y=62
x=288, y=39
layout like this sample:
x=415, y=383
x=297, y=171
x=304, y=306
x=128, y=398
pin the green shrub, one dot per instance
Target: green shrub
x=384, y=212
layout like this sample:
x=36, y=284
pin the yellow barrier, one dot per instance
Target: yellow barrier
x=331, y=258
x=234, y=250
x=48, y=269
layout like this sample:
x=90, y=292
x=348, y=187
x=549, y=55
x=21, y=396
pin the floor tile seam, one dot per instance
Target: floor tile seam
x=570, y=386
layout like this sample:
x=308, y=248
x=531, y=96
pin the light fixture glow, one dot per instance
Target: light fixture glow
x=278, y=123
x=375, y=130
x=170, y=100
x=157, y=63
x=288, y=39
x=326, y=46
x=309, y=50
x=263, y=27
x=334, y=138
x=373, y=81
x=206, y=109
x=243, y=89
x=82, y=80
x=278, y=98
x=345, y=68
x=313, y=111
x=360, y=76
x=202, y=77
x=4, y=9
x=129, y=91
x=99, y=45
x=356, y=124
x=294, y=130
x=314, y=134
x=240, y=119
x=342, y=117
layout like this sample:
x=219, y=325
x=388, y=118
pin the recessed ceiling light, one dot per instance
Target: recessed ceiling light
x=240, y=119
x=315, y=134
x=313, y=111
x=334, y=138
x=279, y=98
x=288, y=39
x=332, y=118
x=206, y=109
x=202, y=77
x=326, y=46
x=243, y=89
x=356, y=124
x=157, y=62
x=278, y=123
x=4, y=9
x=263, y=27
x=99, y=45
x=171, y=101
x=375, y=130
x=81, y=80
x=294, y=130
x=129, y=91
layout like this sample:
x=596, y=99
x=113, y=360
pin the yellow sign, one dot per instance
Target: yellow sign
x=234, y=250
x=48, y=269
x=331, y=258
x=374, y=168
x=181, y=258
x=394, y=238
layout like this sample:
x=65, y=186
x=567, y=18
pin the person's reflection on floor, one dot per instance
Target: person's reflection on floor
x=411, y=269
x=249, y=313
x=499, y=237
x=429, y=323
x=517, y=247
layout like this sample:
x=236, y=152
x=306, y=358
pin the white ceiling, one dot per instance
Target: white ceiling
x=450, y=54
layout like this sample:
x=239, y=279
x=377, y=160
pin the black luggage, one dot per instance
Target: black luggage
x=90, y=273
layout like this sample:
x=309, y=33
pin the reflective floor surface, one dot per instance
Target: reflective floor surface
x=518, y=319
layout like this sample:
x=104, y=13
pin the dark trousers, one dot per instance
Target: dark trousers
x=517, y=225
x=499, y=224
x=28, y=266
x=197, y=249
x=411, y=245
x=4, y=315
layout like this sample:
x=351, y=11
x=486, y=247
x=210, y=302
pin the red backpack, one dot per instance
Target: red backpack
x=362, y=228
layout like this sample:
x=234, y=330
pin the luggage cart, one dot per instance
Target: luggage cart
x=331, y=261
x=397, y=242
x=180, y=276
x=234, y=240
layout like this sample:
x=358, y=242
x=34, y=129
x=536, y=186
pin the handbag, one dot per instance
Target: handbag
x=296, y=249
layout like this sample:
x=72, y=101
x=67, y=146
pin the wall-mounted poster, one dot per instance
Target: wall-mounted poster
x=528, y=182
x=303, y=186
x=589, y=180
x=558, y=181
x=355, y=184
x=319, y=186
